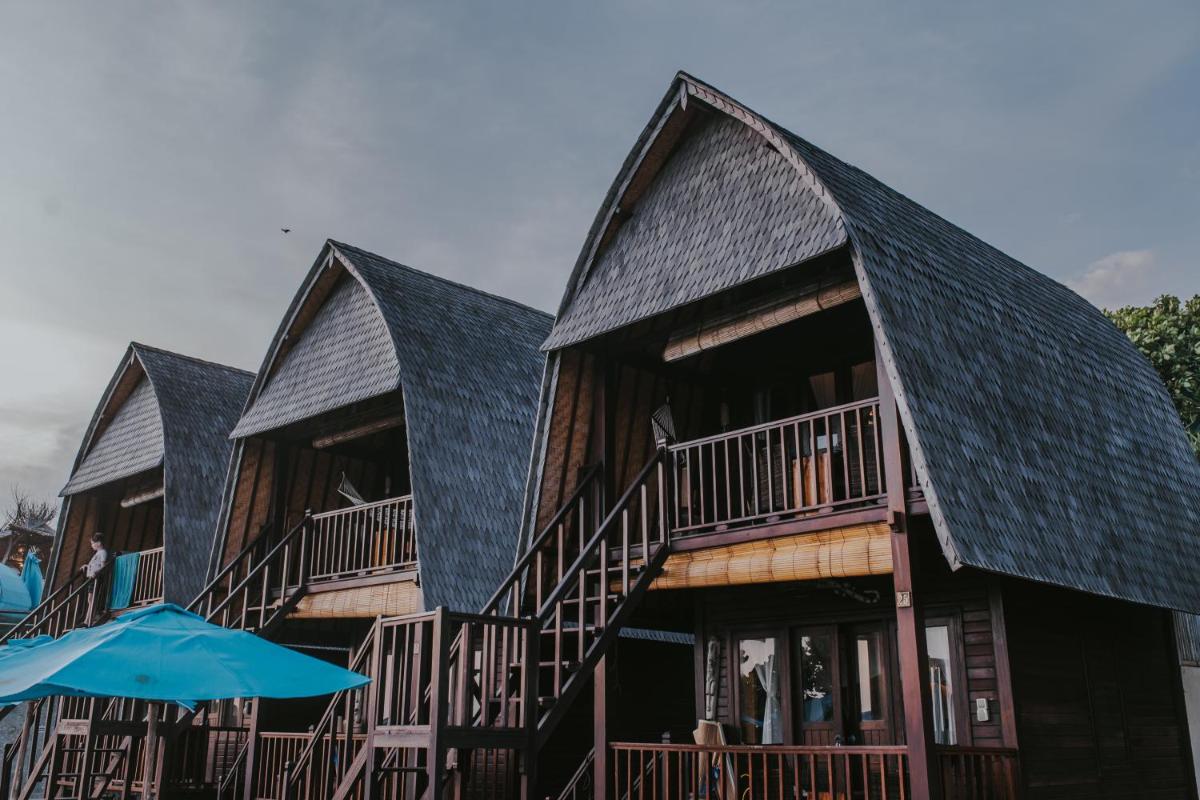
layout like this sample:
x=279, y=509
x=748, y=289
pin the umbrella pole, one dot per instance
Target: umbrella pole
x=151, y=752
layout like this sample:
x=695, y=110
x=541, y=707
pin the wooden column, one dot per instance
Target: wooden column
x=600, y=767
x=439, y=678
x=1004, y=689
x=250, y=762
x=924, y=774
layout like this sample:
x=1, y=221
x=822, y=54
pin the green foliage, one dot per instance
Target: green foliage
x=1168, y=332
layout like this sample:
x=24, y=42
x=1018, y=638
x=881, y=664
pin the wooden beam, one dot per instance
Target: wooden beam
x=142, y=496
x=1004, y=688
x=924, y=773
x=359, y=431
x=760, y=317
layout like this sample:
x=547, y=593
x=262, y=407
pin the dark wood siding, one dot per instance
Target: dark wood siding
x=1096, y=686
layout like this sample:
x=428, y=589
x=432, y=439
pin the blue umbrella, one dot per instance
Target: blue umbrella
x=164, y=653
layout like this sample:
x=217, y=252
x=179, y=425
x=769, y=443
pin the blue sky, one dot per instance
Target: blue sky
x=150, y=153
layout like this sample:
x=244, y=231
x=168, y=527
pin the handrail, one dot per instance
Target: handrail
x=361, y=506
x=808, y=416
x=531, y=552
x=254, y=572
x=585, y=552
x=88, y=585
x=47, y=602
x=233, y=562
x=360, y=658
x=583, y=773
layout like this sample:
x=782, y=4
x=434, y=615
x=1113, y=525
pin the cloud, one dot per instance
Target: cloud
x=1119, y=279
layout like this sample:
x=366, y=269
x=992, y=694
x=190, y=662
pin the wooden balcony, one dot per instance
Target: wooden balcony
x=148, y=583
x=686, y=772
x=803, y=466
x=363, y=540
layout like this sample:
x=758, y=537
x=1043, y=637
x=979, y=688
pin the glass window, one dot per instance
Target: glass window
x=870, y=676
x=760, y=715
x=941, y=683
x=814, y=656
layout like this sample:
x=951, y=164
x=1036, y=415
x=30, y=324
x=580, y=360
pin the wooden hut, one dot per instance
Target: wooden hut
x=829, y=499
x=148, y=476
x=378, y=469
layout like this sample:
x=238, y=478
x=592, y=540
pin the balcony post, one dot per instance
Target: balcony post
x=924, y=778
x=250, y=783
x=600, y=768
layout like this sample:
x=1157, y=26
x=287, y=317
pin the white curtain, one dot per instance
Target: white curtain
x=768, y=678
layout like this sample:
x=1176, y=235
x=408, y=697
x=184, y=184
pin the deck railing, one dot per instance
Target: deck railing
x=274, y=753
x=148, y=583
x=824, y=461
x=685, y=772
x=366, y=539
x=980, y=773
x=78, y=603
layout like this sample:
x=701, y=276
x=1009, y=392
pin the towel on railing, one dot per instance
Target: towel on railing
x=124, y=574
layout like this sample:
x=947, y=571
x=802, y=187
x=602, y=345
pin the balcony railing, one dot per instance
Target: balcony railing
x=371, y=538
x=686, y=772
x=813, y=463
x=148, y=583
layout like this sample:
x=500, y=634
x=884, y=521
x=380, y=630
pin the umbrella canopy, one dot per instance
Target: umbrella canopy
x=14, y=594
x=165, y=653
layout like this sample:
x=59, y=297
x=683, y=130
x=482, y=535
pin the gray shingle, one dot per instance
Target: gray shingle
x=768, y=221
x=1046, y=445
x=344, y=356
x=469, y=367
x=188, y=407
x=132, y=443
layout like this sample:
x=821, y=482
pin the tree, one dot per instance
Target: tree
x=1168, y=333
x=27, y=511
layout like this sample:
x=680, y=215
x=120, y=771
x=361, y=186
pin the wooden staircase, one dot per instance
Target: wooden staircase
x=460, y=703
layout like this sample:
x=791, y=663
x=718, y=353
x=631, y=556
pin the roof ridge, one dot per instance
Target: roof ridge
x=457, y=284
x=135, y=345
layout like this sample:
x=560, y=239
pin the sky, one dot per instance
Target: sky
x=150, y=153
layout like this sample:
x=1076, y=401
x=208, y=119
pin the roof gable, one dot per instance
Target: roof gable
x=131, y=443
x=345, y=354
x=770, y=219
x=174, y=411
x=470, y=369
x=1045, y=443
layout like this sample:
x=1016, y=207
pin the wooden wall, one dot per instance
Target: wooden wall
x=572, y=440
x=125, y=529
x=309, y=478
x=1099, y=708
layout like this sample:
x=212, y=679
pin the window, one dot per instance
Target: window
x=814, y=655
x=759, y=714
x=941, y=683
x=869, y=676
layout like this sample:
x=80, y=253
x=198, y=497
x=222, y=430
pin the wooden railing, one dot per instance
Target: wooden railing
x=980, y=773
x=260, y=585
x=331, y=749
x=686, y=772
x=148, y=583
x=275, y=752
x=824, y=461
x=366, y=539
x=78, y=603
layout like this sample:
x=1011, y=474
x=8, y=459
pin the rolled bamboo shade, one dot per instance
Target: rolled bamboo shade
x=401, y=597
x=848, y=552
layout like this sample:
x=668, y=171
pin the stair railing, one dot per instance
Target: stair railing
x=253, y=593
x=334, y=743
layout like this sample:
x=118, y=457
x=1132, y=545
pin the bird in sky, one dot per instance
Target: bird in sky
x=286, y=230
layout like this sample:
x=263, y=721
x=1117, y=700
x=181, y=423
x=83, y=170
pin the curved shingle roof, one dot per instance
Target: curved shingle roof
x=469, y=366
x=178, y=415
x=1045, y=443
